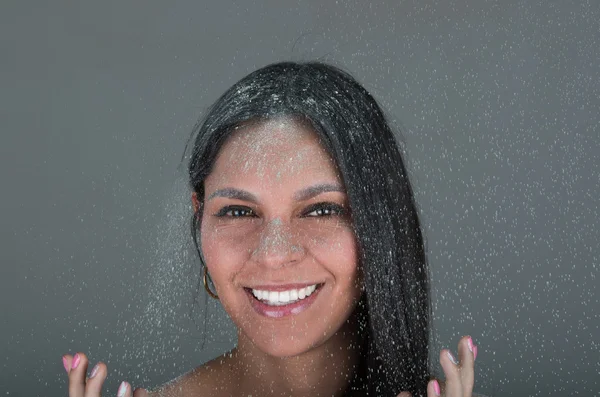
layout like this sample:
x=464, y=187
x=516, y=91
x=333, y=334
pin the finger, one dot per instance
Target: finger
x=140, y=393
x=452, y=372
x=466, y=348
x=78, y=368
x=433, y=389
x=93, y=384
x=403, y=394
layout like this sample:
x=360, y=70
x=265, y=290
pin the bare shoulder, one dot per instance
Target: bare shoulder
x=214, y=378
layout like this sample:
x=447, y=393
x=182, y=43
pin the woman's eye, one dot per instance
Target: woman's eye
x=325, y=209
x=235, y=212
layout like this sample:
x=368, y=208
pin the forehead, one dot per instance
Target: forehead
x=273, y=150
x=258, y=138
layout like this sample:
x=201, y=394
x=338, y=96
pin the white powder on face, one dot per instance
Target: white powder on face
x=255, y=146
x=277, y=238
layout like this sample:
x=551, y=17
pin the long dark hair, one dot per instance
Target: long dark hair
x=355, y=132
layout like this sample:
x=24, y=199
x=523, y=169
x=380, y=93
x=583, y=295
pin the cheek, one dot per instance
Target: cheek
x=334, y=246
x=225, y=250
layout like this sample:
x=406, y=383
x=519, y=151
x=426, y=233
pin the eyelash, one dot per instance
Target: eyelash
x=333, y=209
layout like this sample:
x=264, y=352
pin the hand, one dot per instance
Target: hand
x=82, y=386
x=459, y=376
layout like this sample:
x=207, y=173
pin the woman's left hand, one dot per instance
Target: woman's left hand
x=459, y=374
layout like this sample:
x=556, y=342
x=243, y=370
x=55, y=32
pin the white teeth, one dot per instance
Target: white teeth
x=302, y=293
x=279, y=298
x=284, y=296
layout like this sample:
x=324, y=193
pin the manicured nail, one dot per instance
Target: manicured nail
x=436, y=387
x=94, y=371
x=470, y=344
x=76, y=360
x=454, y=360
x=66, y=364
x=122, y=389
x=474, y=352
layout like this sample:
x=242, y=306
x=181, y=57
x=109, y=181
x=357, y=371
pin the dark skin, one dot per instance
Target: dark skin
x=277, y=234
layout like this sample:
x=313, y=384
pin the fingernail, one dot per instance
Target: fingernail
x=454, y=360
x=94, y=371
x=76, y=360
x=474, y=352
x=436, y=387
x=66, y=364
x=122, y=389
x=470, y=344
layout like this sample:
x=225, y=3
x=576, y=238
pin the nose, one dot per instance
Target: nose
x=277, y=245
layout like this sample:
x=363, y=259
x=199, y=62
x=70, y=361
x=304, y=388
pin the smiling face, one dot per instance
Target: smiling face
x=277, y=238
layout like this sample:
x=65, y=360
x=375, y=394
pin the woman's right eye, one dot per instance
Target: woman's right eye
x=235, y=212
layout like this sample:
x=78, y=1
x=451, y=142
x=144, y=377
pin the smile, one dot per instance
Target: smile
x=280, y=298
x=283, y=302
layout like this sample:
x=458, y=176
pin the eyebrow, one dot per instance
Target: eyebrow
x=312, y=191
x=232, y=193
x=304, y=194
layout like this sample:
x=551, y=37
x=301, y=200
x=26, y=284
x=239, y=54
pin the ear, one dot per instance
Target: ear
x=196, y=203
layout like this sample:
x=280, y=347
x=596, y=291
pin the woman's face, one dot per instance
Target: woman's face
x=276, y=225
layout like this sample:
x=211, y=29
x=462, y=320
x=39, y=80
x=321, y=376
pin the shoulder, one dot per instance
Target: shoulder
x=214, y=378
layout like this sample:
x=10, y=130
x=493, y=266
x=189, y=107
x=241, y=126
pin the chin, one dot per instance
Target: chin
x=285, y=347
x=291, y=340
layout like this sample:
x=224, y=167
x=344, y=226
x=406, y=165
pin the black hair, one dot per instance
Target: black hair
x=353, y=129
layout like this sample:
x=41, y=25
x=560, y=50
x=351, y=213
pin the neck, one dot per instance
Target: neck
x=325, y=370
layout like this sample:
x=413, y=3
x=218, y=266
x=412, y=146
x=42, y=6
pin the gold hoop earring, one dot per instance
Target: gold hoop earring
x=205, y=281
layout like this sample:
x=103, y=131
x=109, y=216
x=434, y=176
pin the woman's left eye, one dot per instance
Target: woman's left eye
x=325, y=209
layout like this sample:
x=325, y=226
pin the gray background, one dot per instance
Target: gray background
x=498, y=104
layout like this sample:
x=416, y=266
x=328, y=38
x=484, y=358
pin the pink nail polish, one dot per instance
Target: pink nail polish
x=94, y=371
x=65, y=364
x=436, y=387
x=76, y=360
x=474, y=352
x=470, y=344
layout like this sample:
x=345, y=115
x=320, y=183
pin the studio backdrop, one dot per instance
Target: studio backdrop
x=496, y=104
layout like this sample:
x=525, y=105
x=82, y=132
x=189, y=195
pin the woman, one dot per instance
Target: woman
x=305, y=221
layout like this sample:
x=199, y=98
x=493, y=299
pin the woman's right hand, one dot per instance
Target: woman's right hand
x=82, y=386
